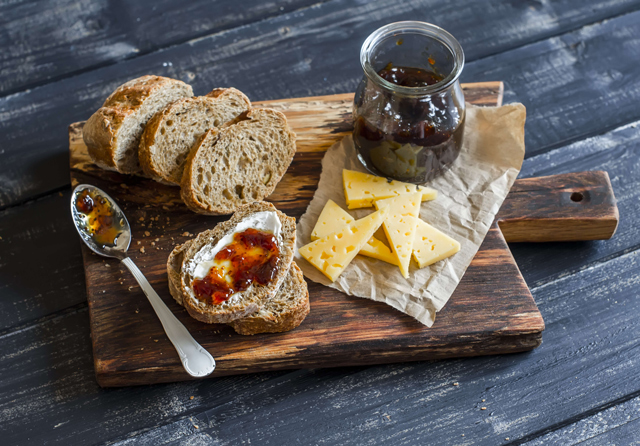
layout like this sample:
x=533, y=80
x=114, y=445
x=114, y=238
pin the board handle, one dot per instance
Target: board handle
x=566, y=207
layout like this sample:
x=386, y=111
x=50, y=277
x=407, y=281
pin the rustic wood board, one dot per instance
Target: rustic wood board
x=492, y=310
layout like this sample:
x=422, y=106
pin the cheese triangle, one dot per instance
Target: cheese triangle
x=400, y=226
x=431, y=245
x=333, y=218
x=333, y=253
x=362, y=189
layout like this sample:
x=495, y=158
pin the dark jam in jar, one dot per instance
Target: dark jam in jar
x=99, y=218
x=252, y=257
x=408, y=137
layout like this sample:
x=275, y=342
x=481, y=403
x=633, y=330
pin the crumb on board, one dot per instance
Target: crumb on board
x=142, y=250
x=153, y=243
x=157, y=240
x=139, y=242
x=147, y=233
x=191, y=397
x=141, y=219
x=456, y=384
x=483, y=408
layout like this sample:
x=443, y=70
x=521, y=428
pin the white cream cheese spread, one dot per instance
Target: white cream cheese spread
x=198, y=267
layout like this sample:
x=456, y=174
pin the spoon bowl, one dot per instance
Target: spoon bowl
x=80, y=219
x=105, y=229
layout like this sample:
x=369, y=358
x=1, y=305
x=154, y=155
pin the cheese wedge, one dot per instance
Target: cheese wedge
x=333, y=253
x=431, y=245
x=362, y=189
x=333, y=218
x=400, y=226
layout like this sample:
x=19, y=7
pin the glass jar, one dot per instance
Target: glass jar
x=409, y=108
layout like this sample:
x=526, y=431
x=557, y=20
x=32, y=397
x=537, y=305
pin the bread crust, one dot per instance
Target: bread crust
x=249, y=302
x=217, y=140
x=219, y=99
x=273, y=321
x=265, y=320
x=100, y=132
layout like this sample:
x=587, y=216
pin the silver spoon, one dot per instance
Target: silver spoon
x=195, y=359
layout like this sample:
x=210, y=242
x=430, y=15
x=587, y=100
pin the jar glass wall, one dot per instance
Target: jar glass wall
x=409, y=108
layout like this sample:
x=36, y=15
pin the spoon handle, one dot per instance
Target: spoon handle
x=195, y=359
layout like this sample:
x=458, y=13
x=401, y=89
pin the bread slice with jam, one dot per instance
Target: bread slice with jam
x=283, y=312
x=196, y=255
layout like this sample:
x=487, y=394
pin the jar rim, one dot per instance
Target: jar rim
x=413, y=27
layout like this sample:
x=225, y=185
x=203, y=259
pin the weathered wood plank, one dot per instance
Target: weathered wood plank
x=72, y=36
x=567, y=207
x=120, y=420
x=617, y=425
x=39, y=273
x=49, y=395
x=43, y=43
x=616, y=152
x=295, y=56
x=589, y=358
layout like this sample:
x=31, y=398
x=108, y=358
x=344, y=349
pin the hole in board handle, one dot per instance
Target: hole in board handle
x=577, y=197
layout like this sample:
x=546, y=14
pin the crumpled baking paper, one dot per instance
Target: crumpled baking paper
x=470, y=194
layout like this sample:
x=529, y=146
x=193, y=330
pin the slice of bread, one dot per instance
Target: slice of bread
x=249, y=301
x=240, y=163
x=283, y=312
x=172, y=132
x=112, y=134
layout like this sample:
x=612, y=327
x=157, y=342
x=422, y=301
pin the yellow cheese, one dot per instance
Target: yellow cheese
x=333, y=218
x=362, y=189
x=400, y=226
x=431, y=245
x=333, y=253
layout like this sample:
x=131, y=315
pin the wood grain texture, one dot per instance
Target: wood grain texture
x=582, y=367
x=559, y=208
x=585, y=369
x=295, y=54
x=68, y=37
x=330, y=336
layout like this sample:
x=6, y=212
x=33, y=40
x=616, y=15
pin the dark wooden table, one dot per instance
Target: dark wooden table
x=574, y=64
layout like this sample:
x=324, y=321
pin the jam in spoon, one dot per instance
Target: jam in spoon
x=106, y=231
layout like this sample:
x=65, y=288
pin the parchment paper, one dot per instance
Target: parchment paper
x=469, y=196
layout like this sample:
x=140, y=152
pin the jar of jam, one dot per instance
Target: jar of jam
x=409, y=108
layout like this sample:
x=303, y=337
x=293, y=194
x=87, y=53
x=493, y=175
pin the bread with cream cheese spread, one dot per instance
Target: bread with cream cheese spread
x=242, y=304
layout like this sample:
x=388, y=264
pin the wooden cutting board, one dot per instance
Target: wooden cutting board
x=491, y=311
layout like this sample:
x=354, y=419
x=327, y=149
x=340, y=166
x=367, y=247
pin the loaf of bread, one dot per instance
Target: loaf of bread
x=240, y=163
x=240, y=304
x=172, y=132
x=112, y=134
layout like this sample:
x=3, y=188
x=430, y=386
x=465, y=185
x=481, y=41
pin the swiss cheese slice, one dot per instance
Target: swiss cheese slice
x=400, y=226
x=333, y=218
x=332, y=253
x=431, y=245
x=362, y=189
